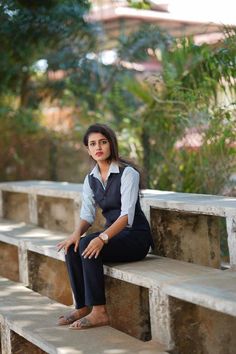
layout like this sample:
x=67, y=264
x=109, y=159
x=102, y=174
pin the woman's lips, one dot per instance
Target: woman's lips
x=99, y=153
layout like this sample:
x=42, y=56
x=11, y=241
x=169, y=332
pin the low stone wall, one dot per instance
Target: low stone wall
x=128, y=308
x=187, y=237
x=20, y=345
x=184, y=226
x=49, y=277
x=9, y=261
x=56, y=213
x=198, y=330
x=16, y=206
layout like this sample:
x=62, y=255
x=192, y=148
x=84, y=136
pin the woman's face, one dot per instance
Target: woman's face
x=98, y=147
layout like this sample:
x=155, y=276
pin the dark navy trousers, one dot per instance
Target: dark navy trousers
x=86, y=275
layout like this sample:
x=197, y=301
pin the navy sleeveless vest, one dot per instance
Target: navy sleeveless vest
x=109, y=200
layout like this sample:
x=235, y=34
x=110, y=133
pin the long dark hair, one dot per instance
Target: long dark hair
x=111, y=137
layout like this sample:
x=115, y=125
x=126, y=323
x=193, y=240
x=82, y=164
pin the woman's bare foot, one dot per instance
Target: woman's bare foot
x=72, y=316
x=97, y=317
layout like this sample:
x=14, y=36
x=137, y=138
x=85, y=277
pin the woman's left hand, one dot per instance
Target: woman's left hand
x=93, y=249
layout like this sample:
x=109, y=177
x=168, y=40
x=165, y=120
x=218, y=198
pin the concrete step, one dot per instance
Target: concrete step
x=204, y=286
x=184, y=216
x=168, y=294
x=33, y=317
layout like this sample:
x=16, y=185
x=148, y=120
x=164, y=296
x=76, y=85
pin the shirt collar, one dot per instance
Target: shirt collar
x=114, y=168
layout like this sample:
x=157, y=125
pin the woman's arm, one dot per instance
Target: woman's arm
x=95, y=245
x=87, y=216
x=75, y=237
x=117, y=226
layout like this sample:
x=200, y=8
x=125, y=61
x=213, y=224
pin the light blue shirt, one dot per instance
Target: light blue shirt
x=129, y=193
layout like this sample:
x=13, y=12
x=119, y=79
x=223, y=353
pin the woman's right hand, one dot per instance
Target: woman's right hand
x=71, y=240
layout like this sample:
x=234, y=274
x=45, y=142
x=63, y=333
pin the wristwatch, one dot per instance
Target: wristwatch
x=104, y=237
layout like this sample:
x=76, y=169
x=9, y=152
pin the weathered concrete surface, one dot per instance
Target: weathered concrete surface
x=20, y=345
x=5, y=338
x=128, y=308
x=198, y=330
x=191, y=282
x=205, y=286
x=15, y=232
x=9, y=265
x=49, y=277
x=215, y=291
x=56, y=214
x=189, y=202
x=44, y=188
x=33, y=208
x=33, y=317
x=160, y=315
x=231, y=230
x=180, y=202
x=154, y=271
x=186, y=237
x=23, y=264
x=15, y=206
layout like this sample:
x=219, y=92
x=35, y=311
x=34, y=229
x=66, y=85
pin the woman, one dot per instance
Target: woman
x=113, y=185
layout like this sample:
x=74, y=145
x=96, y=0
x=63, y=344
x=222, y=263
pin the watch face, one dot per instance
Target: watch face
x=105, y=237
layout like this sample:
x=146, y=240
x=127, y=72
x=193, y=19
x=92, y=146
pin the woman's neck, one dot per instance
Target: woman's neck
x=104, y=166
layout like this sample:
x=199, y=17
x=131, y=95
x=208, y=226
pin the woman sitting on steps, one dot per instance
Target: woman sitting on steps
x=113, y=185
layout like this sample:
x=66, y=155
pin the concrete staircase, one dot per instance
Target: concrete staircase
x=158, y=305
x=28, y=326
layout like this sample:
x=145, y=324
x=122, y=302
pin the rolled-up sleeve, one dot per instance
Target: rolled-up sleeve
x=88, y=209
x=129, y=193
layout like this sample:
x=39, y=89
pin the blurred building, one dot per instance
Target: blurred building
x=175, y=17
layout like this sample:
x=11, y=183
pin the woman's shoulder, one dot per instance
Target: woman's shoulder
x=130, y=170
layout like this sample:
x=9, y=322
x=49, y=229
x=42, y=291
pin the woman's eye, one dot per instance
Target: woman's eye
x=104, y=142
x=92, y=144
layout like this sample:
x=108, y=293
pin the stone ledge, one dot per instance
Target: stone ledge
x=203, y=286
x=44, y=188
x=190, y=202
x=33, y=317
x=186, y=281
x=216, y=292
x=46, y=204
x=34, y=238
x=184, y=202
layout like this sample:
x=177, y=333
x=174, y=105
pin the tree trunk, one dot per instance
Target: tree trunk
x=53, y=161
x=24, y=90
x=146, y=157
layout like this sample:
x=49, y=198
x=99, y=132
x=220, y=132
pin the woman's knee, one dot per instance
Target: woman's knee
x=71, y=254
x=84, y=242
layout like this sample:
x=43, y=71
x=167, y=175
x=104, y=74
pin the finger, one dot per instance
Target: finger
x=86, y=254
x=97, y=253
x=60, y=246
x=88, y=251
x=66, y=248
x=92, y=254
x=76, y=246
